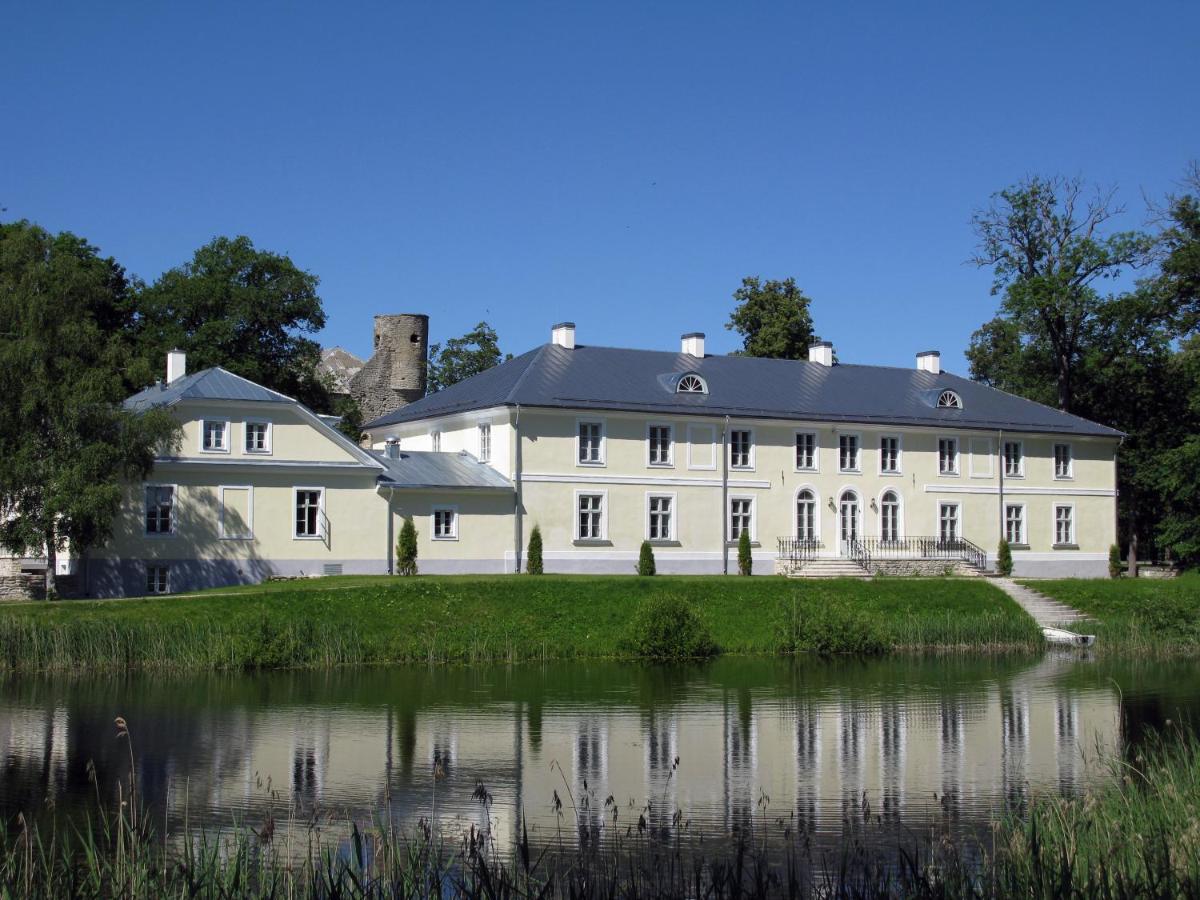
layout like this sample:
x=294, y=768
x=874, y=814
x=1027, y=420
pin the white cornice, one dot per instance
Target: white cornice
x=661, y=480
x=1019, y=490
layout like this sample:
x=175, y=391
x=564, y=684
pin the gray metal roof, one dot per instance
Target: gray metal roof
x=426, y=469
x=208, y=384
x=607, y=378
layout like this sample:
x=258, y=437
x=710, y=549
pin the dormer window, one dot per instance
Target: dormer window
x=691, y=384
x=949, y=400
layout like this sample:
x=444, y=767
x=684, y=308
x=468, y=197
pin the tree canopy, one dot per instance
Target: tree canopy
x=476, y=351
x=773, y=319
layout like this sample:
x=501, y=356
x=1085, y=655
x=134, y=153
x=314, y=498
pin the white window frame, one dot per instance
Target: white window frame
x=899, y=512
x=603, y=460
x=985, y=454
x=692, y=431
x=673, y=514
x=483, y=434
x=1024, y=542
x=320, y=535
x=204, y=422
x=1020, y=473
x=749, y=467
x=858, y=455
x=443, y=508
x=603, y=495
x=670, y=462
x=816, y=456
x=249, y=536
x=733, y=539
x=157, y=535
x=1070, y=476
x=958, y=518
x=811, y=488
x=1073, y=541
x=899, y=439
x=150, y=566
x=956, y=472
x=269, y=437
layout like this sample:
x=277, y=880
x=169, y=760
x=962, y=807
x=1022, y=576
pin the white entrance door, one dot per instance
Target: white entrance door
x=848, y=526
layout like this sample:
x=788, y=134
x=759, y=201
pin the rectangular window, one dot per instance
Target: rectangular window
x=741, y=517
x=806, y=451
x=435, y=441
x=258, y=437
x=741, y=448
x=948, y=522
x=1014, y=524
x=1062, y=461
x=591, y=443
x=1014, y=459
x=591, y=517
x=445, y=523
x=158, y=579
x=1064, y=525
x=848, y=453
x=485, y=442
x=806, y=516
x=948, y=456
x=662, y=521
x=160, y=506
x=889, y=454
x=308, y=513
x=660, y=439
x=215, y=437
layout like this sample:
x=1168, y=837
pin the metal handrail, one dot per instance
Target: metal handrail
x=798, y=550
x=860, y=553
x=927, y=547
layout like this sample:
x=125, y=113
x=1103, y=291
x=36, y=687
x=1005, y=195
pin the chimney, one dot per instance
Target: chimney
x=929, y=361
x=693, y=344
x=821, y=352
x=563, y=335
x=392, y=448
x=176, y=365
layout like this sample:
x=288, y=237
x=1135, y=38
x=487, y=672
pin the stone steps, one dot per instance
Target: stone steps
x=1048, y=613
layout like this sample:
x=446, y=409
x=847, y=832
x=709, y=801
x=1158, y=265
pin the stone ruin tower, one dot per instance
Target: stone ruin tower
x=395, y=374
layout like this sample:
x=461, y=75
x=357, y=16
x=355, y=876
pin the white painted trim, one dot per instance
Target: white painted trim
x=223, y=451
x=753, y=454
x=251, y=464
x=1070, y=476
x=670, y=463
x=899, y=470
x=858, y=470
x=753, y=516
x=603, y=461
x=957, y=472
x=693, y=428
x=270, y=441
x=1074, y=536
x=938, y=503
x=603, y=494
x=807, y=486
x=673, y=513
x=837, y=513
x=987, y=453
x=147, y=565
x=1058, y=555
x=249, y=488
x=433, y=511
x=480, y=428
x=816, y=436
x=1024, y=522
x=664, y=480
x=161, y=535
x=1020, y=458
x=320, y=535
x=1019, y=491
x=758, y=553
x=900, y=532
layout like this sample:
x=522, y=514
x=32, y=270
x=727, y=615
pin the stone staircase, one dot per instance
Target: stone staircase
x=1048, y=613
x=821, y=568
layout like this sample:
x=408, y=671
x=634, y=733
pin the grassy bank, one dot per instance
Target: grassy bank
x=341, y=621
x=1148, y=615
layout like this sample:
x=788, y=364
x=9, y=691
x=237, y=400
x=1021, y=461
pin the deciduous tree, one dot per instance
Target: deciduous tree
x=476, y=351
x=773, y=319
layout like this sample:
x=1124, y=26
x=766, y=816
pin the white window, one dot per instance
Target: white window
x=445, y=523
x=691, y=384
x=948, y=456
x=435, y=441
x=214, y=436
x=848, y=453
x=1064, y=525
x=741, y=448
x=590, y=517
x=158, y=578
x=702, y=446
x=1014, y=459
x=310, y=515
x=590, y=444
x=948, y=522
x=949, y=400
x=660, y=440
x=889, y=516
x=258, y=437
x=806, y=515
x=160, y=509
x=1063, y=459
x=1014, y=523
x=741, y=517
x=889, y=454
x=485, y=442
x=848, y=517
x=806, y=451
x=660, y=524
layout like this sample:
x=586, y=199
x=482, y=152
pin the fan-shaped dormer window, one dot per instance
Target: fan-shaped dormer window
x=949, y=400
x=691, y=384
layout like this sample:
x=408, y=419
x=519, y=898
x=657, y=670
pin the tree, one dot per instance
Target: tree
x=773, y=319
x=745, y=557
x=245, y=309
x=1004, y=560
x=533, y=560
x=67, y=446
x=476, y=351
x=646, y=565
x=1045, y=244
x=1114, y=561
x=406, y=549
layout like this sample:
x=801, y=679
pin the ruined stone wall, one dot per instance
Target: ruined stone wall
x=395, y=375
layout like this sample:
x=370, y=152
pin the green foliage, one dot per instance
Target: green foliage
x=406, y=549
x=350, y=419
x=834, y=626
x=666, y=626
x=533, y=559
x=646, y=564
x=773, y=319
x=1004, y=563
x=476, y=351
x=1114, y=561
x=745, y=557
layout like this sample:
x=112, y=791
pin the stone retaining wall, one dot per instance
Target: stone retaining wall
x=22, y=587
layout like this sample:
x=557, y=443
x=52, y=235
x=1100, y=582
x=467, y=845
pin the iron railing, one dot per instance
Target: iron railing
x=922, y=547
x=859, y=552
x=798, y=551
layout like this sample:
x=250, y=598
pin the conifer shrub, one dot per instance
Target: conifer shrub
x=666, y=626
x=533, y=558
x=1114, y=561
x=646, y=565
x=1004, y=564
x=406, y=549
x=745, y=559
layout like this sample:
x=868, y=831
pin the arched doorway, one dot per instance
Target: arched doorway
x=849, y=520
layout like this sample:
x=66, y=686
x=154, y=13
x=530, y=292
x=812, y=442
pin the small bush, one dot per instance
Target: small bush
x=745, y=559
x=833, y=627
x=406, y=549
x=667, y=627
x=1114, y=561
x=1004, y=558
x=646, y=564
x=533, y=559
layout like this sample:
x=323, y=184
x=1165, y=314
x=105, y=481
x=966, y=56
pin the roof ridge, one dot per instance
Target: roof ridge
x=211, y=369
x=537, y=355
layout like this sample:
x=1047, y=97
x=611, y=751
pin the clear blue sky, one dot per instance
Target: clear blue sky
x=622, y=165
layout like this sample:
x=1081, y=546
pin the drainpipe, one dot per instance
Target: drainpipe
x=391, y=532
x=725, y=497
x=1000, y=448
x=519, y=499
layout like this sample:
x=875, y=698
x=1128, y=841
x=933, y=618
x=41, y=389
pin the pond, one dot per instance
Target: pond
x=915, y=745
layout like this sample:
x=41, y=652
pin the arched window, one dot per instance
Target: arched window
x=889, y=516
x=949, y=400
x=691, y=384
x=806, y=516
x=848, y=517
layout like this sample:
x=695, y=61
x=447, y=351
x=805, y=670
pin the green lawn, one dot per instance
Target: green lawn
x=1136, y=615
x=361, y=620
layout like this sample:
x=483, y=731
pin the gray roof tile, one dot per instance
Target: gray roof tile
x=426, y=469
x=208, y=384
